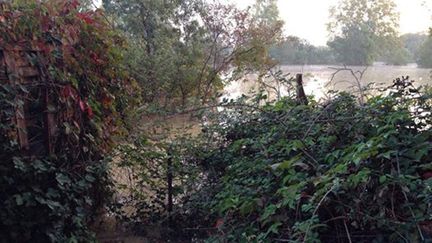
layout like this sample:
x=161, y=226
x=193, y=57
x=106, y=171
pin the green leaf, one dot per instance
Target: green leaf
x=360, y=177
x=39, y=165
x=382, y=179
x=297, y=144
x=19, y=164
x=274, y=228
x=247, y=207
x=291, y=194
x=53, y=204
x=90, y=178
x=19, y=200
x=289, y=163
x=387, y=154
x=269, y=211
x=62, y=179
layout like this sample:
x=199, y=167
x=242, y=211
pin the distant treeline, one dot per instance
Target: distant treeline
x=415, y=48
x=296, y=51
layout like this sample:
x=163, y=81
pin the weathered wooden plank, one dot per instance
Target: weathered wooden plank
x=17, y=48
x=14, y=78
x=10, y=63
x=21, y=62
x=50, y=125
x=3, y=74
x=26, y=72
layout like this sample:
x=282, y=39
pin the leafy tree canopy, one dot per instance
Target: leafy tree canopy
x=179, y=49
x=425, y=53
x=362, y=30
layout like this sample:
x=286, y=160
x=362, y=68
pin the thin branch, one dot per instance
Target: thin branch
x=347, y=231
x=357, y=75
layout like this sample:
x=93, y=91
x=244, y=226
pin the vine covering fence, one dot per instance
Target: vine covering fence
x=63, y=95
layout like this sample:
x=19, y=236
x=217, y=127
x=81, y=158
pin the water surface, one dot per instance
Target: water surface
x=318, y=79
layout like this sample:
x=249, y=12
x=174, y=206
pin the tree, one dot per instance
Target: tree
x=152, y=38
x=362, y=30
x=267, y=10
x=425, y=53
x=179, y=49
x=395, y=53
x=412, y=43
x=296, y=51
x=398, y=56
x=87, y=5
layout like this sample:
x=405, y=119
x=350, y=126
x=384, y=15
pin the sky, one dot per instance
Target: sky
x=308, y=18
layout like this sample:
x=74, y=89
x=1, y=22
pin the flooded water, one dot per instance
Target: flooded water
x=318, y=79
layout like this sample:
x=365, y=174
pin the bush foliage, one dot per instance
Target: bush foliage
x=325, y=172
x=322, y=172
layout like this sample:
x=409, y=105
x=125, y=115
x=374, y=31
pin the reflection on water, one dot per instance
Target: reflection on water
x=317, y=78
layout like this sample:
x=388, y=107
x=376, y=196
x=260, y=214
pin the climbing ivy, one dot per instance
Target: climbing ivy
x=52, y=196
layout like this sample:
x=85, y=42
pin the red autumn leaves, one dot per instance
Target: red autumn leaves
x=69, y=92
x=86, y=17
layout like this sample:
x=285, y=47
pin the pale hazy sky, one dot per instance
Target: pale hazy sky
x=307, y=18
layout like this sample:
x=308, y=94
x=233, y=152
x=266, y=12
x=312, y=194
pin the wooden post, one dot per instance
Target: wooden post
x=301, y=95
x=49, y=118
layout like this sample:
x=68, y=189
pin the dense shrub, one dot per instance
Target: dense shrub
x=50, y=192
x=328, y=172
x=322, y=172
x=43, y=202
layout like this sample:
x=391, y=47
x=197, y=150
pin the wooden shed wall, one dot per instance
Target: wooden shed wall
x=34, y=121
